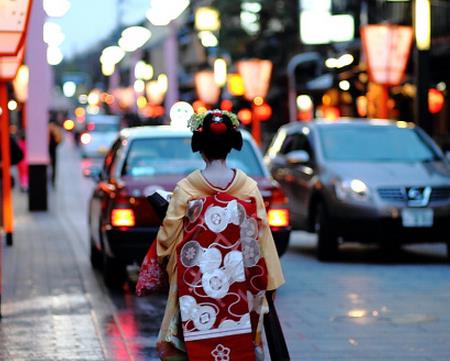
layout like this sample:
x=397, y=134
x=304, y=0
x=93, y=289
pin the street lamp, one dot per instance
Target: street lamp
x=422, y=30
x=256, y=75
x=207, y=19
x=134, y=37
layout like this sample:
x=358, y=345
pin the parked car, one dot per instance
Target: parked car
x=122, y=223
x=363, y=180
x=100, y=132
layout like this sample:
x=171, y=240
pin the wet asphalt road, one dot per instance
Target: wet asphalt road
x=365, y=306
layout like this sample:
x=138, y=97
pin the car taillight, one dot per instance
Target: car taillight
x=122, y=217
x=85, y=138
x=278, y=197
x=278, y=217
x=278, y=214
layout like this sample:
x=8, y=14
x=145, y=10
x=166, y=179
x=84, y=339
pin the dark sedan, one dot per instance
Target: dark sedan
x=122, y=223
x=363, y=180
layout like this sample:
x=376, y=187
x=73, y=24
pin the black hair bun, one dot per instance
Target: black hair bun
x=216, y=136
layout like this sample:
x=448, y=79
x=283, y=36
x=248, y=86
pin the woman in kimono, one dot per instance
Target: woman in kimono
x=215, y=134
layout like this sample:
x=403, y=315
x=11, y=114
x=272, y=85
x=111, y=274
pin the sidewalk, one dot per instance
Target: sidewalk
x=54, y=306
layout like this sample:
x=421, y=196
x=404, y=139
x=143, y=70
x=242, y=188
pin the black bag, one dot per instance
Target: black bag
x=159, y=201
x=274, y=333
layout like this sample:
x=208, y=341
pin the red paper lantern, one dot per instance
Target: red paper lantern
x=226, y=104
x=263, y=112
x=436, y=100
x=245, y=116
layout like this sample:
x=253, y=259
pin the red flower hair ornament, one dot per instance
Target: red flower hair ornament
x=215, y=129
x=217, y=125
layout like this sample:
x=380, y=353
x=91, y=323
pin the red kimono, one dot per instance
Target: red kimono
x=222, y=279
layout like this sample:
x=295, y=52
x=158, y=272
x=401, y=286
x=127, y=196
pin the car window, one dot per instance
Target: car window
x=374, y=143
x=103, y=127
x=165, y=156
x=296, y=141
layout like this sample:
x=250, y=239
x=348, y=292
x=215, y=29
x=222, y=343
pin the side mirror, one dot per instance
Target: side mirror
x=92, y=172
x=298, y=157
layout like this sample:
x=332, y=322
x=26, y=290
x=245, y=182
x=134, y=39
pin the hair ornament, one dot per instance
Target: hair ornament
x=195, y=123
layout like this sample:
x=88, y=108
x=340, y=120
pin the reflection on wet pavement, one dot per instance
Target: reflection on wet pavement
x=54, y=305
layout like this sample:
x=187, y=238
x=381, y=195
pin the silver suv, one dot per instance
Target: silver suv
x=363, y=180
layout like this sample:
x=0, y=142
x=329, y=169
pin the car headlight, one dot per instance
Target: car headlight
x=354, y=189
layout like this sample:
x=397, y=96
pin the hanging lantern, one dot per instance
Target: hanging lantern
x=263, y=112
x=436, y=100
x=20, y=84
x=387, y=48
x=14, y=16
x=9, y=65
x=245, y=116
x=207, y=89
x=256, y=77
x=235, y=85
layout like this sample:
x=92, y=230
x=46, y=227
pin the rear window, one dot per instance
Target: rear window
x=103, y=127
x=374, y=144
x=166, y=156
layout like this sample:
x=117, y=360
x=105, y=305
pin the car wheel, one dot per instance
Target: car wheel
x=113, y=272
x=95, y=255
x=282, y=243
x=448, y=251
x=327, y=243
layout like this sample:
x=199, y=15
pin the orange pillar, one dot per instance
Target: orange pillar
x=384, y=98
x=256, y=127
x=6, y=165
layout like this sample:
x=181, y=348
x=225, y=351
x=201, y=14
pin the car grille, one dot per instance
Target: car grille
x=392, y=194
x=399, y=194
x=440, y=194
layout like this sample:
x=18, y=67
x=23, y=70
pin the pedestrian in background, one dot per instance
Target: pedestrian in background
x=22, y=166
x=200, y=313
x=54, y=139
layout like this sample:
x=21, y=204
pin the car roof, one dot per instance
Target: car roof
x=360, y=122
x=162, y=131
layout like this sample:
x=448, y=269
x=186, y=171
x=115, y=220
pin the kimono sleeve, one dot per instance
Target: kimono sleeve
x=171, y=230
x=269, y=251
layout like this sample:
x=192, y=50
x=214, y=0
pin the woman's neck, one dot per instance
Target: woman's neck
x=217, y=173
x=220, y=164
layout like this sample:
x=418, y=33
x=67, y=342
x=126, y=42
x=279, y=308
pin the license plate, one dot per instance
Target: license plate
x=417, y=217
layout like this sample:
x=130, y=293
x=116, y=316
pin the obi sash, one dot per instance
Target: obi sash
x=222, y=278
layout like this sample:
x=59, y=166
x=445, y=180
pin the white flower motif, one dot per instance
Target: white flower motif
x=221, y=353
x=191, y=253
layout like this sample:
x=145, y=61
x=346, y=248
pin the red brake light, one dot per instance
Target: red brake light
x=278, y=217
x=85, y=138
x=278, y=197
x=122, y=217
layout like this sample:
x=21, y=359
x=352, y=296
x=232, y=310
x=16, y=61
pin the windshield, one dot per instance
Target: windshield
x=166, y=156
x=374, y=144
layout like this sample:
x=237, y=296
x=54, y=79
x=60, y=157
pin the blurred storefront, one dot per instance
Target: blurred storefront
x=334, y=83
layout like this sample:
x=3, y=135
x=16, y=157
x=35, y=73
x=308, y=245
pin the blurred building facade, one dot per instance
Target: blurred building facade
x=278, y=30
